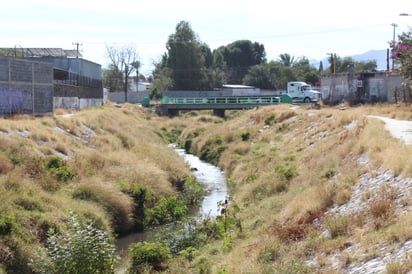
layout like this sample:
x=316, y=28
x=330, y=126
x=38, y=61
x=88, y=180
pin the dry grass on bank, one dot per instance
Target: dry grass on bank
x=287, y=165
x=104, y=150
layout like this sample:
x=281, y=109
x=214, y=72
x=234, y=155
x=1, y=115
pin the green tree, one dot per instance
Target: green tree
x=366, y=66
x=402, y=54
x=185, y=58
x=112, y=78
x=320, y=70
x=286, y=59
x=259, y=76
x=341, y=65
x=311, y=77
x=276, y=74
x=161, y=82
x=238, y=57
x=303, y=70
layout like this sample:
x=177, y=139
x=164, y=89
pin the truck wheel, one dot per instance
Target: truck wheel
x=306, y=100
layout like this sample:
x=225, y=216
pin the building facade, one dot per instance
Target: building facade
x=361, y=87
x=72, y=82
x=26, y=86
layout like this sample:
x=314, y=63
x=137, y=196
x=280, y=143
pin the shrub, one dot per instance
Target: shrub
x=290, y=232
x=143, y=198
x=144, y=254
x=6, y=224
x=81, y=249
x=270, y=119
x=54, y=162
x=58, y=168
x=381, y=206
x=286, y=173
x=212, y=155
x=168, y=210
x=328, y=172
x=182, y=236
x=188, y=145
x=193, y=191
x=245, y=136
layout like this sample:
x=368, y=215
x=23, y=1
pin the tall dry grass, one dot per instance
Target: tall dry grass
x=107, y=149
x=324, y=146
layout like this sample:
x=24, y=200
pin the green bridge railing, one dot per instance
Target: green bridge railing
x=241, y=100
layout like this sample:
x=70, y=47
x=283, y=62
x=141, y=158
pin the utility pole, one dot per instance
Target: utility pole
x=126, y=69
x=77, y=44
x=393, y=41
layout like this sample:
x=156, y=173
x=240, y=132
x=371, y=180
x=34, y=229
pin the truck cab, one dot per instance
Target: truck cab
x=301, y=92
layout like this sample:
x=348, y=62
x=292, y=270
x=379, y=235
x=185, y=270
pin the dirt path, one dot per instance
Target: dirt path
x=400, y=129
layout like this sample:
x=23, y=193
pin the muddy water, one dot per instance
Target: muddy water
x=214, y=183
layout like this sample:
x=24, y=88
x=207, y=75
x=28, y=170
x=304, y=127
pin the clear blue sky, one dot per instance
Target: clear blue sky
x=298, y=27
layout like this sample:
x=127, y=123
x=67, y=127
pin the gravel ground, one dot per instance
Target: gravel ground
x=372, y=183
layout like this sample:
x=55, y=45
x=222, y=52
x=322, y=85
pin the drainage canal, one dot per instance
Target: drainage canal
x=215, y=186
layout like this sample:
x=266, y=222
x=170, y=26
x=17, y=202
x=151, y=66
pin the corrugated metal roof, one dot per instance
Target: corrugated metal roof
x=39, y=52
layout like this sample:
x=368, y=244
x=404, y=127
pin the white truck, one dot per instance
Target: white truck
x=302, y=92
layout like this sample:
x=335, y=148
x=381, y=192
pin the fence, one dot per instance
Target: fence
x=26, y=86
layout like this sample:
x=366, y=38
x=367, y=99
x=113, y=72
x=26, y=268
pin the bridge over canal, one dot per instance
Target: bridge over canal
x=172, y=106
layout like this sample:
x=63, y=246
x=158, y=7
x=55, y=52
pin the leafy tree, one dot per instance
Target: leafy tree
x=311, y=77
x=219, y=59
x=402, y=54
x=342, y=64
x=259, y=76
x=185, y=58
x=161, y=82
x=275, y=74
x=286, y=59
x=320, y=70
x=302, y=68
x=213, y=77
x=238, y=57
x=207, y=54
x=366, y=66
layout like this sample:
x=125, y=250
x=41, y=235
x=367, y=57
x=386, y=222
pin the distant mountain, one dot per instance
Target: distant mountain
x=378, y=55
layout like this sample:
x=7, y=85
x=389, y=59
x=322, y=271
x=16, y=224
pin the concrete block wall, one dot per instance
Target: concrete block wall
x=120, y=97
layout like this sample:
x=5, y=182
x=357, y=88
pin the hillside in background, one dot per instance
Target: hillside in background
x=379, y=55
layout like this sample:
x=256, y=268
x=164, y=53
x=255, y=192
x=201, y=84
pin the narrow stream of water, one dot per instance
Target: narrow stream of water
x=214, y=183
x=212, y=179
